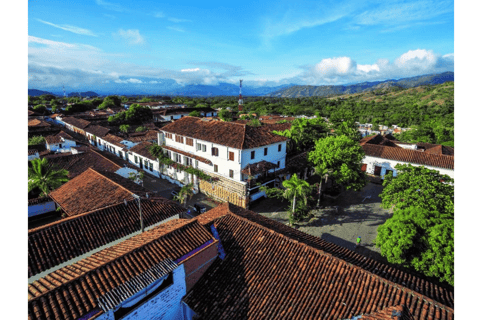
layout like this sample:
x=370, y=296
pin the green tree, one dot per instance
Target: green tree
x=418, y=186
x=36, y=140
x=141, y=129
x=194, y=113
x=341, y=156
x=184, y=194
x=294, y=188
x=419, y=238
x=348, y=129
x=44, y=177
x=225, y=115
x=254, y=123
x=124, y=128
x=304, y=132
x=40, y=108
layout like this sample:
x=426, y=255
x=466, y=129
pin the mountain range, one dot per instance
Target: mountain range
x=171, y=88
x=324, y=91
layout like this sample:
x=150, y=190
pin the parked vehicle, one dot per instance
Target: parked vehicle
x=200, y=208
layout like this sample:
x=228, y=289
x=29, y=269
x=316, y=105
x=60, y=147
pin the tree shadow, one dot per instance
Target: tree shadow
x=362, y=249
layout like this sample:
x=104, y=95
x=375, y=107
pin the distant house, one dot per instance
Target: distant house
x=33, y=154
x=94, y=131
x=61, y=142
x=115, y=145
x=140, y=156
x=383, y=153
x=76, y=125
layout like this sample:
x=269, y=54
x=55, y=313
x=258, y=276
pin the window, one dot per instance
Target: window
x=215, y=152
x=196, y=163
x=265, y=151
x=189, y=141
x=231, y=156
x=151, y=166
x=178, y=138
x=199, y=146
x=279, y=147
x=168, y=135
x=252, y=155
x=215, y=168
x=364, y=167
x=278, y=164
x=136, y=159
x=178, y=158
x=231, y=173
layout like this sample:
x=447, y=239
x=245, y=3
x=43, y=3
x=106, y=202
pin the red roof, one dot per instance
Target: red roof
x=73, y=291
x=38, y=123
x=273, y=271
x=98, y=131
x=411, y=156
x=231, y=134
x=93, y=190
x=114, y=140
x=48, y=245
x=143, y=149
x=78, y=123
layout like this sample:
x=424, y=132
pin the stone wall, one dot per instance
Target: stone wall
x=225, y=189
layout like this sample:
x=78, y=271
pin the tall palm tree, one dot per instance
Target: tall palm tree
x=323, y=172
x=184, y=194
x=296, y=187
x=44, y=177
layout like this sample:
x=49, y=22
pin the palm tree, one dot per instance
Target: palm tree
x=44, y=177
x=323, y=172
x=184, y=194
x=296, y=187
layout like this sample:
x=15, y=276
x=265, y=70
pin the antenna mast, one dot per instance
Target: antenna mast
x=240, y=99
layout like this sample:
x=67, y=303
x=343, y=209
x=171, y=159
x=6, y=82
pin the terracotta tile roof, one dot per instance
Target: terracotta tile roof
x=74, y=290
x=38, y=123
x=258, y=167
x=399, y=312
x=143, y=136
x=76, y=164
x=143, y=149
x=64, y=135
x=93, y=190
x=32, y=151
x=114, y=140
x=35, y=201
x=53, y=139
x=273, y=271
x=436, y=148
x=58, y=242
x=407, y=155
x=191, y=155
x=235, y=135
x=79, y=123
x=33, y=113
x=98, y=131
x=379, y=140
x=295, y=163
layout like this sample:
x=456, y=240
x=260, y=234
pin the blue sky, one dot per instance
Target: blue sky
x=100, y=44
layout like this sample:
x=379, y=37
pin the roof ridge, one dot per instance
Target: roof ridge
x=111, y=259
x=101, y=155
x=90, y=168
x=309, y=247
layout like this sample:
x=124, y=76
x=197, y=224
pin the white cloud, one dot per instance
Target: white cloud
x=110, y=5
x=159, y=14
x=69, y=28
x=131, y=80
x=176, y=29
x=176, y=20
x=132, y=36
x=345, y=70
x=190, y=70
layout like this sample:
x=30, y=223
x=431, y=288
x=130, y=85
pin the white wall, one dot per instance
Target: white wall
x=387, y=164
x=165, y=305
x=156, y=164
x=66, y=144
x=273, y=155
x=107, y=146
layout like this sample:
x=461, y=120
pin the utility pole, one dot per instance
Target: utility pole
x=140, y=211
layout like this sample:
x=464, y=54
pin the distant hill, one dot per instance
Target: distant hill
x=324, y=91
x=35, y=92
x=83, y=94
x=223, y=89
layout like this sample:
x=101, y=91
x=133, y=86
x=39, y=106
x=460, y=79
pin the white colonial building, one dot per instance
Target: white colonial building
x=382, y=154
x=61, y=142
x=235, y=154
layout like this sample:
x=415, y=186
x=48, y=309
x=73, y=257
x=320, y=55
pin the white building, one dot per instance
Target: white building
x=223, y=150
x=140, y=156
x=382, y=155
x=61, y=142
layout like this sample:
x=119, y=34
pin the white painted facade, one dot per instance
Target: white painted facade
x=388, y=164
x=150, y=166
x=64, y=146
x=225, y=167
x=110, y=147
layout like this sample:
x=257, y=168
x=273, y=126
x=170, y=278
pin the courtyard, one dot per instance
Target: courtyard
x=359, y=214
